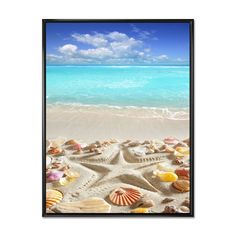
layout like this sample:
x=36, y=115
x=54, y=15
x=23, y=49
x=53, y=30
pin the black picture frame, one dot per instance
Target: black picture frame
x=191, y=120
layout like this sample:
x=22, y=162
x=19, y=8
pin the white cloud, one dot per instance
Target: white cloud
x=98, y=53
x=126, y=48
x=162, y=57
x=53, y=58
x=116, y=36
x=111, y=48
x=96, y=40
x=68, y=49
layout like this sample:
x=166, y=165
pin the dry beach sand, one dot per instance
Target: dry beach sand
x=96, y=169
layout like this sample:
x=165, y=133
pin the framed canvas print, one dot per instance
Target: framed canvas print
x=118, y=118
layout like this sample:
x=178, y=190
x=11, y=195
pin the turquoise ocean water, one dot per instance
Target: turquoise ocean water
x=139, y=86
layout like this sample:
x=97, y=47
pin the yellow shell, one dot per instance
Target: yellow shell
x=183, y=150
x=140, y=210
x=53, y=197
x=178, y=154
x=168, y=177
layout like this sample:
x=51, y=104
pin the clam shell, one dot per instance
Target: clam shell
x=181, y=144
x=182, y=185
x=184, y=209
x=183, y=150
x=171, y=140
x=77, y=147
x=71, y=142
x=124, y=196
x=182, y=173
x=53, y=197
x=143, y=202
x=91, y=205
x=178, y=154
x=54, y=175
x=55, y=151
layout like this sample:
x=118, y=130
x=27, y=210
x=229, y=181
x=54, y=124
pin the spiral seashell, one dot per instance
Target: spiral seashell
x=124, y=196
x=53, y=197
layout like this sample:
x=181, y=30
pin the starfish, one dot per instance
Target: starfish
x=119, y=168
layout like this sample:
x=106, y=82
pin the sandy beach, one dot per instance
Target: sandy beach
x=94, y=170
x=91, y=123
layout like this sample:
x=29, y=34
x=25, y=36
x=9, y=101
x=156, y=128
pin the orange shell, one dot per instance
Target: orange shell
x=54, y=150
x=53, y=197
x=124, y=196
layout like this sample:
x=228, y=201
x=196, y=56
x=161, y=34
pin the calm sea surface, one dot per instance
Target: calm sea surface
x=141, y=86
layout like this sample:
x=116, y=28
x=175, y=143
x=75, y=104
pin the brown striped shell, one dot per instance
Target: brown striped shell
x=182, y=185
x=53, y=197
x=124, y=196
x=71, y=142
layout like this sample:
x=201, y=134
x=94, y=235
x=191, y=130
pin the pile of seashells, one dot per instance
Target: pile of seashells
x=58, y=173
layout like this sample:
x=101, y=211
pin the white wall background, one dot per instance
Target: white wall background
x=20, y=126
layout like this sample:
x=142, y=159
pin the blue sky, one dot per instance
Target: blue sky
x=117, y=43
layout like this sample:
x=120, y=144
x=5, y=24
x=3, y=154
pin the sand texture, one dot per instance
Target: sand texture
x=95, y=170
